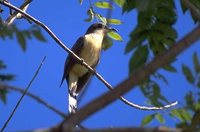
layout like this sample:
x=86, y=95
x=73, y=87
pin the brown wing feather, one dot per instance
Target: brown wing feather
x=70, y=61
x=82, y=81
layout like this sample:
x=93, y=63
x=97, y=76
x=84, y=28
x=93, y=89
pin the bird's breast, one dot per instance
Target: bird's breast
x=90, y=53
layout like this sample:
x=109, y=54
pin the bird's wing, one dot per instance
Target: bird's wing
x=70, y=61
x=83, y=81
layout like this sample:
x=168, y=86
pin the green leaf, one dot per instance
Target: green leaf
x=107, y=43
x=21, y=40
x=80, y=1
x=147, y=119
x=182, y=114
x=160, y=118
x=115, y=36
x=3, y=93
x=139, y=58
x=189, y=99
x=176, y=113
x=2, y=65
x=197, y=106
x=103, y=4
x=120, y=3
x=137, y=37
x=170, y=68
x=114, y=21
x=166, y=29
x=129, y=5
x=161, y=77
x=38, y=35
x=196, y=119
x=90, y=14
x=101, y=18
x=188, y=74
x=196, y=63
x=183, y=7
x=198, y=83
x=6, y=77
x=186, y=115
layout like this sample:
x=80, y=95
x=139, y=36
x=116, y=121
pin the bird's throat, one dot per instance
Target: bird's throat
x=90, y=53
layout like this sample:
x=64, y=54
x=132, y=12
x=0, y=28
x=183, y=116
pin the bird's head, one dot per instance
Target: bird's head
x=99, y=28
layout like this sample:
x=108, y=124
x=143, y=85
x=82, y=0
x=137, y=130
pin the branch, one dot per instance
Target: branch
x=17, y=15
x=140, y=129
x=128, y=84
x=81, y=61
x=36, y=98
x=25, y=91
x=192, y=8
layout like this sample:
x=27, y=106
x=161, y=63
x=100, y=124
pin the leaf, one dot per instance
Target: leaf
x=38, y=35
x=6, y=77
x=188, y=74
x=161, y=77
x=3, y=93
x=147, y=119
x=160, y=118
x=115, y=36
x=196, y=118
x=114, y=21
x=196, y=63
x=2, y=65
x=120, y=3
x=129, y=5
x=189, y=99
x=136, y=38
x=198, y=83
x=176, y=113
x=107, y=43
x=183, y=7
x=103, y=4
x=101, y=18
x=138, y=59
x=181, y=114
x=21, y=40
x=90, y=14
x=186, y=115
x=170, y=68
x=166, y=29
x=80, y=1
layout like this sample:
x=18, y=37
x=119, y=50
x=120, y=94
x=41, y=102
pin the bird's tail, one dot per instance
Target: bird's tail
x=72, y=103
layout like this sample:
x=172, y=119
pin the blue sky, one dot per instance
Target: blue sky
x=66, y=20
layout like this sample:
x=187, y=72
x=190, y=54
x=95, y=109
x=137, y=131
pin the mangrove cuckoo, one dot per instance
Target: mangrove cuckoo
x=88, y=47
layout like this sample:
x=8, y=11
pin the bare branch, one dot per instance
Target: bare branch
x=192, y=8
x=81, y=61
x=17, y=15
x=140, y=129
x=25, y=91
x=128, y=84
x=36, y=98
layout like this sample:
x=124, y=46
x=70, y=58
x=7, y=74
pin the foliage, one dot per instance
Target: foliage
x=21, y=35
x=153, y=34
x=3, y=78
x=13, y=32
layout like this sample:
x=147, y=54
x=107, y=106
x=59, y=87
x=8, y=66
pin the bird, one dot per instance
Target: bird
x=88, y=47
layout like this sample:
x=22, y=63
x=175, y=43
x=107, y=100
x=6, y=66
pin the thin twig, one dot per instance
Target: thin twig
x=81, y=61
x=129, y=83
x=36, y=98
x=17, y=15
x=25, y=91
